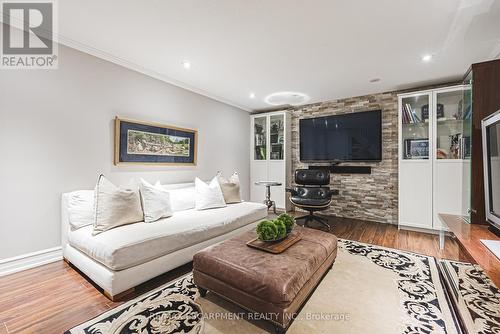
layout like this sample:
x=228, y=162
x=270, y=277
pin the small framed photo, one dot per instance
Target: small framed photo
x=150, y=143
x=417, y=149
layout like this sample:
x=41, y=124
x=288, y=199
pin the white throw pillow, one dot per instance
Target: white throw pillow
x=180, y=198
x=155, y=202
x=115, y=206
x=208, y=196
x=230, y=188
x=81, y=208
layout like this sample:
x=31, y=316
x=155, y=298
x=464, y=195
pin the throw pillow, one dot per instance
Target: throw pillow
x=115, y=206
x=180, y=198
x=208, y=196
x=230, y=188
x=155, y=202
x=81, y=208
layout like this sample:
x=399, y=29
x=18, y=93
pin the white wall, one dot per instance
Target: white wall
x=56, y=135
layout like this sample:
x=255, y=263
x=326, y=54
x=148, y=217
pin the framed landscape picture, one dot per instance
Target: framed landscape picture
x=149, y=143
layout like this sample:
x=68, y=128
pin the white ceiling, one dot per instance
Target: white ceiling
x=327, y=49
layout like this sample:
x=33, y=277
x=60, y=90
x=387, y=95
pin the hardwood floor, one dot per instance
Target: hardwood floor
x=55, y=297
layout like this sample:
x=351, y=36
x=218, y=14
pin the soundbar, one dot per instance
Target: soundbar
x=336, y=169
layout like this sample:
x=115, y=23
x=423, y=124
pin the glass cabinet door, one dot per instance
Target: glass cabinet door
x=415, y=118
x=452, y=134
x=277, y=138
x=260, y=138
x=467, y=146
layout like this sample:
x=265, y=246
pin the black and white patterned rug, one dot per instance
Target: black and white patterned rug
x=370, y=289
x=169, y=309
x=475, y=297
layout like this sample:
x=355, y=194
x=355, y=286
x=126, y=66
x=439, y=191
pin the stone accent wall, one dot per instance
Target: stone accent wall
x=372, y=197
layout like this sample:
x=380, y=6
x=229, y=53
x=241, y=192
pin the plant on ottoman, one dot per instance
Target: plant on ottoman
x=277, y=229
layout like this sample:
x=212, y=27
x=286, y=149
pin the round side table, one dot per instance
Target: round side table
x=268, y=202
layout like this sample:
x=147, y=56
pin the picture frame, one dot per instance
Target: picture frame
x=146, y=143
x=417, y=148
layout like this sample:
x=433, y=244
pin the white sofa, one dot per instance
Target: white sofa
x=124, y=257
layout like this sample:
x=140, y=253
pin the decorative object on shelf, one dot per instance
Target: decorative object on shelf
x=441, y=154
x=277, y=126
x=417, y=148
x=150, y=143
x=455, y=143
x=425, y=112
x=275, y=230
x=465, y=147
x=439, y=111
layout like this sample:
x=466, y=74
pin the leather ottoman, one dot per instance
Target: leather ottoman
x=273, y=285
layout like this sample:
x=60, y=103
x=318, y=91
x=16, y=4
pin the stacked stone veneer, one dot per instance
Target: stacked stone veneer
x=372, y=196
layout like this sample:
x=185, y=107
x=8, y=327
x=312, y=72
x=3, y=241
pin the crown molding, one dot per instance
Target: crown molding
x=68, y=42
x=71, y=43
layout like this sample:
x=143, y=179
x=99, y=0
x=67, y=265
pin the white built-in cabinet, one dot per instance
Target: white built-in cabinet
x=434, y=156
x=270, y=147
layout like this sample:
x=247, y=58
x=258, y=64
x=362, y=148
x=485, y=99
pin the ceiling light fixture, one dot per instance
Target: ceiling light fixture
x=283, y=98
x=186, y=64
x=426, y=58
x=252, y=95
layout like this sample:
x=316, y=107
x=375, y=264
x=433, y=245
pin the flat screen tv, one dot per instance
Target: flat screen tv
x=339, y=138
x=491, y=163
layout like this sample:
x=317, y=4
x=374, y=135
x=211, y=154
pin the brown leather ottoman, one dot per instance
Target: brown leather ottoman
x=275, y=285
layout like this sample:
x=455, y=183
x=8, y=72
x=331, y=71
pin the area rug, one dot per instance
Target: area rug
x=370, y=289
x=476, y=299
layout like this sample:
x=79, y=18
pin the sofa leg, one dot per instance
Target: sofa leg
x=203, y=291
x=120, y=296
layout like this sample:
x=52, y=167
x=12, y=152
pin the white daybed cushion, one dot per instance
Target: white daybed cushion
x=81, y=208
x=134, y=244
x=208, y=196
x=155, y=201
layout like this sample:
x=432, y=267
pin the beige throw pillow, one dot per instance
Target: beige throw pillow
x=81, y=208
x=115, y=206
x=155, y=202
x=230, y=188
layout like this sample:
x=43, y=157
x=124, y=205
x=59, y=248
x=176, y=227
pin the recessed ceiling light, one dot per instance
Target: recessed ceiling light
x=375, y=80
x=282, y=98
x=186, y=64
x=426, y=58
x=252, y=95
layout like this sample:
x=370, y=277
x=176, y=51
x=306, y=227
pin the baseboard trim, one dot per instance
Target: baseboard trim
x=30, y=260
